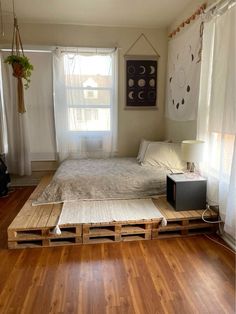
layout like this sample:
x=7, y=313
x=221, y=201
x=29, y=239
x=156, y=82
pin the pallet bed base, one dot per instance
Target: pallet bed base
x=33, y=226
x=84, y=233
x=183, y=223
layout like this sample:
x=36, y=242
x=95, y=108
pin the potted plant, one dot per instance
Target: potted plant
x=22, y=68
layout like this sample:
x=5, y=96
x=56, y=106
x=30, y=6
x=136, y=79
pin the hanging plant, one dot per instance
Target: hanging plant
x=22, y=68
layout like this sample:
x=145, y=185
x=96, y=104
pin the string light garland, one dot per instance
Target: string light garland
x=198, y=12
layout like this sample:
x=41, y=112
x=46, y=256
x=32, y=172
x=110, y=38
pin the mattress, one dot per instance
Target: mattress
x=99, y=179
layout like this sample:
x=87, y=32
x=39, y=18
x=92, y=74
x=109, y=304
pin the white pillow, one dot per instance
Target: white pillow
x=165, y=155
x=142, y=150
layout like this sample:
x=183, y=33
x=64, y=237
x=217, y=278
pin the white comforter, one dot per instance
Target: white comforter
x=97, y=179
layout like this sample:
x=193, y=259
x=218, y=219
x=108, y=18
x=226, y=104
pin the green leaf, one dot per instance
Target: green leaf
x=25, y=63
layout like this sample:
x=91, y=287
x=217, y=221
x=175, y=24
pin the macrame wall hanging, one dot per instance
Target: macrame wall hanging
x=20, y=64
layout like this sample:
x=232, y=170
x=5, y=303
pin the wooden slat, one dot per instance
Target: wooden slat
x=100, y=232
x=33, y=221
x=145, y=236
x=133, y=230
x=56, y=210
x=186, y=227
x=88, y=240
x=125, y=222
x=65, y=241
x=22, y=219
x=46, y=213
x=24, y=235
x=41, y=186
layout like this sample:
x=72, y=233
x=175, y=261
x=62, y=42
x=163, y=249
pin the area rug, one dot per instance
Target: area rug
x=81, y=212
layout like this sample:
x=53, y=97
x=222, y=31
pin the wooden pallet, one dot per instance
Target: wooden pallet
x=33, y=225
x=120, y=231
x=182, y=223
x=78, y=234
x=44, y=237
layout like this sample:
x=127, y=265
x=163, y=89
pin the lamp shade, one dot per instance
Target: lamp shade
x=192, y=151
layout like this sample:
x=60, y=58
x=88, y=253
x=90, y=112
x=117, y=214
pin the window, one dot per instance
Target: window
x=221, y=152
x=85, y=102
x=89, y=89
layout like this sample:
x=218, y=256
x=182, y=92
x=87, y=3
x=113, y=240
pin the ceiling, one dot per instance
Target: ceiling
x=132, y=13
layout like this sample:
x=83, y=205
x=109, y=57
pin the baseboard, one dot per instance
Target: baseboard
x=24, y=181
x=229, y=240
x=44, y=165
x=32, y=180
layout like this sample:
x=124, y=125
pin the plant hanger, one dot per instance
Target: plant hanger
x=19, y=62
x=17, y=72
x=17, y=47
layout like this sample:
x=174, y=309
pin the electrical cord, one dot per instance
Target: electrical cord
x=226, y=247
x=220, y=229
x=209, y=221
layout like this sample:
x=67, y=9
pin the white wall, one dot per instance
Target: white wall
x=132, y=124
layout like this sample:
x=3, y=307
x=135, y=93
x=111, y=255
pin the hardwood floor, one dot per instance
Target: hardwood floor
x=176, y=275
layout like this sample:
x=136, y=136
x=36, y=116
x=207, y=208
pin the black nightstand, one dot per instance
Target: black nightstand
x=186, y=191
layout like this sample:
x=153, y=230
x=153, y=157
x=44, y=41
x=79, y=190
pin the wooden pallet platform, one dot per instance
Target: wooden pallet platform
x=182, y=223
x=33, y=225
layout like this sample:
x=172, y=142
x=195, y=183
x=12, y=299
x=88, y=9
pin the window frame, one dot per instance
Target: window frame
x=111, y=91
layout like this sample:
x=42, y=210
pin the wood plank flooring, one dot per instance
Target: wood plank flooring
x=176, y=275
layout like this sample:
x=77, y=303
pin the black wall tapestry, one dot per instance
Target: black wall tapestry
x=141, y=83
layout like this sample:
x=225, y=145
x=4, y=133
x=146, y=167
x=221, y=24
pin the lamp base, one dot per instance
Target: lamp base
x=190, y=166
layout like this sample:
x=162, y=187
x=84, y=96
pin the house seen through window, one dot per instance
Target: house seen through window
x=88, y=92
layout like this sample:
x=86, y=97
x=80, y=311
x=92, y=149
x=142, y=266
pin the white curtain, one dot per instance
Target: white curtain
x=2, y=120
x=85, y=102
x=217, y=111
x=16, y=125
x=39, y=101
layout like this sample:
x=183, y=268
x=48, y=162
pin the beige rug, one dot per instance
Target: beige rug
x=82, y=212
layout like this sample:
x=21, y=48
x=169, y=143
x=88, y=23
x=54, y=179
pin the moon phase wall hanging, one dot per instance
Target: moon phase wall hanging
x=141, y=83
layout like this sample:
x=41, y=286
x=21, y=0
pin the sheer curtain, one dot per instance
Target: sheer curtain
x=39, y=101
x=217, y=111
x=16, y=133
x=85, y=102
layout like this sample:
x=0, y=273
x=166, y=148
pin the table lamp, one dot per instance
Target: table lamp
x=192, y=151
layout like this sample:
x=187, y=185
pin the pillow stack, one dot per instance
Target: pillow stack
x=142, y=150
x=161, y=154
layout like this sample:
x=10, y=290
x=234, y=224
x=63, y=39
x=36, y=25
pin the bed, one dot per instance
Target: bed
x=100, y=179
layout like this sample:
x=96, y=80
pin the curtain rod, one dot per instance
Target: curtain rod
x=199, y=11
x=96, y=49
x=30, y=48
x=52, y=48
x=218, y=4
